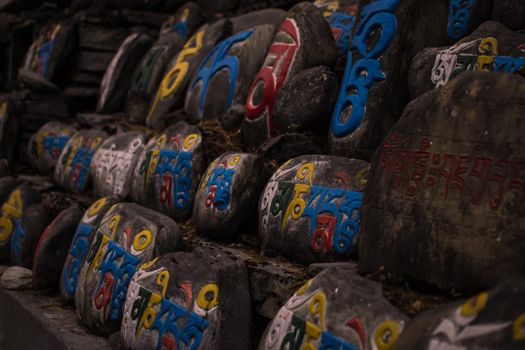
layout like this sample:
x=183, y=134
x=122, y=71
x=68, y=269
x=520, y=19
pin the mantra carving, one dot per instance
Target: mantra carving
x=50, y=142
x=473, y=176
x=142, y=81
x=42, y=50
x=274, y=73
x=360, y=76
x=219, y=182
x=451, y=62
x=341, y=22
x=460, y=12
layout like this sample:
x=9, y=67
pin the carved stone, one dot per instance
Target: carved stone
x=465, y=16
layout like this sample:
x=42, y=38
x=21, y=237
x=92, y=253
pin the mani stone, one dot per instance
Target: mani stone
x=52, y=248
x=509, y=13
x=9, y=129
x=128, y=236
x=305, y=101
x=26, y=235
x=80, y=244
x=374, y=90
x=466, y=15
x=490, y=48
x=118, y=76
x=336, y=310
x=113, y=164
x=11, y=212
x=310, y=210
x=446, y=198
x=72, y=168
x=303, y=41
x=225, y=75
x=184, y=22
x=189, y=300
x=172, y=90
x=16, y=278
x=46, y=145
x=227, y=198
x=168, y=171
x=490, y=320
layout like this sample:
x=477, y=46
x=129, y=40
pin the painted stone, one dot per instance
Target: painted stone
x=188, y=300
x=46, y=145
x=184, y=22
x=490, y=320
x=4, y=168
x=20, y=198
x=305, y=100
x=228, y=195
x=72, y=168
x=80, y=244
x=113, y=164
x=336, y=310
x=117, y=79
x=466, y=15
x=26, y=235
x=310, y=210
x=374, y=90
x=16, y=278
x=254, y=19
x=182, y=68
x=225, y=75
x=52, y=248
x=509, y=13
x=446, y=201
x=490, y=48
x=9, y=129
x=50, y=51
x=167, y=174
x=128, y=236
x=303, y=41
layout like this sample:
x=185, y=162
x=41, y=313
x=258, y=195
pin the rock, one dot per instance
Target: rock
x=80, y=244
x=490, y=320
x=509, y=13
x=369, y=104
x=172, y=90
x=35, y=82
x=100, y=37
x=310, y=210
x=47, y=144
x=72, y=168
x=113, y=164
x=117, y=79
x=26, y=235
x=232, y=119
x=168, y=171
x=302, y=41
x=22, y=197
x=492, y=47
x=16, y=278
x=4, y=169
x=227, y=196
x=92, y=61
x=52, y=248
x=200, y=293
x=184, y=22
x=337, y=309
x=128, y=236
x=465, y=16
x=9, y=129
x=7, y=185
x=253, y=19
x=447, y=179
x=305, y=100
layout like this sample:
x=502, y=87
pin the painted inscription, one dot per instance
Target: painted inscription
x=43, y=50
x=219, y=182
x=460, y=12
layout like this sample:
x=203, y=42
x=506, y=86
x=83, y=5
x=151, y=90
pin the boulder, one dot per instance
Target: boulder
x=465, y=16
x=446, y=201
x=16, y=278
x=26, y=235
x=303, y=41
x=117, y=79
x=52, y=248
x=113, y=164
x=20, y=198
x=338, y=310
x=128, y=236
x=72, y=168
x=305, y=100
x=168, y=171
x=490, y=48
x=188, y=300
x=509, y=13
x=225, y=75
x=374, y=90
x=227, y=198
x=310, y=210
x=172, y=90
x=489, y=320
x=80, y=244
x=46, y=145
